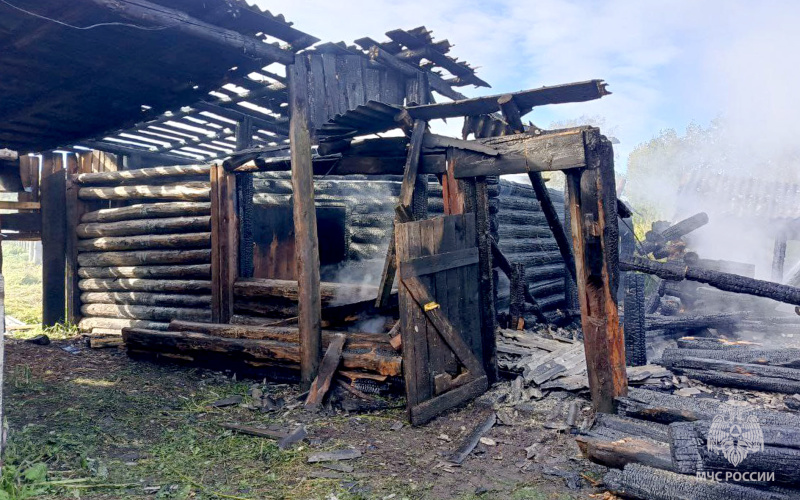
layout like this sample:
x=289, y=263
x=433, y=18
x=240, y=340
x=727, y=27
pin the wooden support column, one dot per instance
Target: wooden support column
x=54, y=229
x=480, y=194
x=593, y=214
x=75, y=208
x=452, y=188
x=779, y=257
x=224, y=243
x=305, y=223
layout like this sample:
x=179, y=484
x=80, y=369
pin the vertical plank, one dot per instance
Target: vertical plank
x=449, y=284
x=54, y=227
x=332, y=100
x=316, y=91
x=488, y=316
x=417, y=368
x=216, y=249
x=442, y=358
x=593, y=216
x=452, y=192
x=75, y=208
x=228, y=242
x=305, y=223
x=372, y=81
x=356, y=95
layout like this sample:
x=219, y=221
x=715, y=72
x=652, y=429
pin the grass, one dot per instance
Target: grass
x=23, y=281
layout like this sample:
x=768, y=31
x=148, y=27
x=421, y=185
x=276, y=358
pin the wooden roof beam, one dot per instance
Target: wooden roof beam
x=525, y=100
x=144, y=11
x=434, y=81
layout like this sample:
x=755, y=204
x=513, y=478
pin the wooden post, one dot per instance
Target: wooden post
x=224, y=243
x=779, y=257
x=452, y=188
x=75, y=208
x=480, y=205
x=244, y=194
x=593, y=215
x=54, y=227
x=305, y=223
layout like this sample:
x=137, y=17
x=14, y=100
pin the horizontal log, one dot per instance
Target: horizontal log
x=144, y=285
x=667, y=408
x=746, y=381
x=331, y=293
x=523, y=153
x=146, y=312
x=166, y=225
x=143, y=242
x=269, y=350
x=91, y=323
x=289, y=334
x=694, y=322
x=780, y=454
x=433, y=163
x=647, y=483
x=525, y=101
x=189, y=191
x=723, y=281
x=146, y=298
x=186, y=271
x=143, y=257
x=141, y=175
x=619, y=453
x=714, y=343
x=148, y=211
x=190, y=27
x=787, y=357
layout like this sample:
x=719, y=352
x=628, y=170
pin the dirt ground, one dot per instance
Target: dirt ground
x=104, y=426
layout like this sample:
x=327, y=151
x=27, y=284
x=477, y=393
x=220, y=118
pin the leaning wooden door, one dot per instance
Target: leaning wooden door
x=439, y=314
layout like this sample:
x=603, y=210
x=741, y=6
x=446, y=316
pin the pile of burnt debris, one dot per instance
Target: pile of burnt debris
x=713, y=372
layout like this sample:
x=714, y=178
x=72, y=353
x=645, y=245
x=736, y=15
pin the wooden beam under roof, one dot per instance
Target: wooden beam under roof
x=524, y=100
x=144, y=11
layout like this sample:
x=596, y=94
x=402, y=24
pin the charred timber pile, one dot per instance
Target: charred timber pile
x=147, y=259
x=736, y=364
x=724, y=281
x=671, y=447
x=259, y=347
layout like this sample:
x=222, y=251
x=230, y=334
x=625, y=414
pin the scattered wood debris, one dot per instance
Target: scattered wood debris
x=332, y=456
x=471, y=440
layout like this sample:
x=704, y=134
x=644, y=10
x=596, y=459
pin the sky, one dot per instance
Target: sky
x=667, y=63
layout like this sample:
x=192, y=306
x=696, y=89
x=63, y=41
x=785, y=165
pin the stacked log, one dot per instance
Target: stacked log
x=144, y=248
x=671, y=447
x=733, y=364
x=524, y=237
x=268, y=347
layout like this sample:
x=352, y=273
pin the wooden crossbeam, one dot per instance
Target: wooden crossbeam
x=525, y=100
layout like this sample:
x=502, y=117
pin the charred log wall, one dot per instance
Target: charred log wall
x=524, y=237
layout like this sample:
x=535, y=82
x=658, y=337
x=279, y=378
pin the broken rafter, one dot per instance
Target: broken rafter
x=524, y=100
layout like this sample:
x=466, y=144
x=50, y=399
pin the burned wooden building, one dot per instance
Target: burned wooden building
x=288, y=199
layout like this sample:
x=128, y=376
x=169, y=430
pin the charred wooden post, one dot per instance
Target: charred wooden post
x=244, y=195
x=517, y=305
x=634, y=321
x=779, y=257
x=593, y=212
x=54, y=237
x=486, y=273
x=724, y=281
x=224, y=242
x=507, y=268
x=305, y=222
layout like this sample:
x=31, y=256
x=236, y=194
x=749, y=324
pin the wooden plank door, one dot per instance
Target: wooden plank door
x=440, y=314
